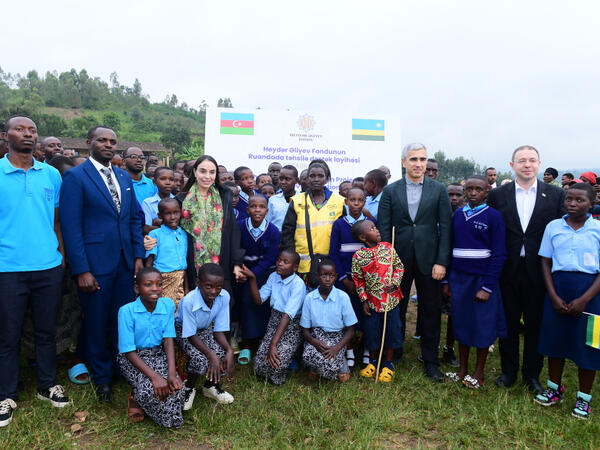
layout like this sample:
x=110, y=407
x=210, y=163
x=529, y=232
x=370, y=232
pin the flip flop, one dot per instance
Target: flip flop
x=368, y=371
x=386, y=375
x=452, y=376
x=75, y=371
x=471, y=383
x=244, y=357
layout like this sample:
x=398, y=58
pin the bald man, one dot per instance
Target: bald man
x=51, y=147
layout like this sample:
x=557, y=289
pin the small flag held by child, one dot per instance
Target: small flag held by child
x=593, y=331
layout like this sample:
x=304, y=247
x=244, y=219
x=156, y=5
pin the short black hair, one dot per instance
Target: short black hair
x=166, y=201
x=143, y=272
x=91, y=131
x=569, y=175
x=326, y=261
x=489, y=168
x=210, y=269
x=237, y=173
x=587, y=187
x=378, y=177
x=252, y=197
x=432, y=160
x=60, y=161
x=275, y=162
x=478, y=177
x=261, y=175
x=344, y=182
x=359, y=179
x=221, y=165
x=292, y=168
x=358, y=228
x=552, y=171
x=159, y=170
x=362, y=191
x=268, y=184
x=293, y=253
x=231, y=184
x=14, y=116
x=323, y=164
x=458, y=184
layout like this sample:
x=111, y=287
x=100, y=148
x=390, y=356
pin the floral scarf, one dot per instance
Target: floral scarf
x=204, y=221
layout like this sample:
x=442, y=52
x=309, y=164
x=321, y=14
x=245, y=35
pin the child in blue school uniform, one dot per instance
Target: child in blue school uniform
x=260, y=239
x=205, y=344
x=147, y=355
x=327, y=323
x=341, y=249
x=165, y=182
x=570, y=253
x=169, y=255
x=244, y=178
x=283, y=336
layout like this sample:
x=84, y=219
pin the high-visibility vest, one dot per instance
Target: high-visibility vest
x=321, y=221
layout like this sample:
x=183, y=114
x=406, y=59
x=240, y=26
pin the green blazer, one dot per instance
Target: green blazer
x=428, y=238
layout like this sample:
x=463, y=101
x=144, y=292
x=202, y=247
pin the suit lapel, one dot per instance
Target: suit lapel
x=512, y=204
x=540, y=203
x=121, y=174
x=402, y=196
x=99, y=183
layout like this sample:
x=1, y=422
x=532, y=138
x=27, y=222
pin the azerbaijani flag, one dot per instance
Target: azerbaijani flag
x=237, y=123
x=592, y=337
x=368, y=130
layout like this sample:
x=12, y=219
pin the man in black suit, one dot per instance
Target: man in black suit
x=527, y=206
x=419, y=208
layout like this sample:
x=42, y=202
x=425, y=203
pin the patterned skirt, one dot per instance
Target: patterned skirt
x=286, y=348
x=198, y=362
x=313, y=359
x=168, y=413
x=173, y=286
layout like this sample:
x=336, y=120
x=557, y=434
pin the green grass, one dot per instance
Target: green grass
x=409, y=412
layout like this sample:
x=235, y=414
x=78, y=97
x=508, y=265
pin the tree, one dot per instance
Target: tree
x=225, y=103
x=455, y=170
x=176, y=138
x=112, y=120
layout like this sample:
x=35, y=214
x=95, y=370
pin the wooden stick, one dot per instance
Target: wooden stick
x=386, y=309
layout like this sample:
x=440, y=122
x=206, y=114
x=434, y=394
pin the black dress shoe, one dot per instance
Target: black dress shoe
x=104, y=392
x=533, y=385
x=505, y=380
x=432, y=372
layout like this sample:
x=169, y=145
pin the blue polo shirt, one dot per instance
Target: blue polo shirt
x=287, y=295
x=372, y=204
x=572, y=250
x=144, y=188
x=139, y=328
x=150, y=208
x=170, y=251
x=193, y=314
x=333, y=314
x=28, y=200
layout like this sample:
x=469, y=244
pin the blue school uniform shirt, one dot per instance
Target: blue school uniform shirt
x=144, y=188
x=193, y=314
x=278, y=207
x=342, y=245
x=150, y=208
x=139, y=329
x=287, y=295
x=372, y=204
x=572, y=250
x=242, y=205
x=333, y=314
x=261, y=245
x=27, y=238
x=170, y=251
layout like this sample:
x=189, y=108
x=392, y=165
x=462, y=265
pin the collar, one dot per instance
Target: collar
x=166, y=229
x=470, y=211
x=420, y=183
x=243, y=195
x=330, y=297
x=199, y=302
x=533, y=187
x=566, y=216
x=351, y=220
x=377, y=198
x=9, y=168
x=156, y=198
x=99, y=166
x=287, y=280
x=139, y=307
x=261, y=228
x=143, y=180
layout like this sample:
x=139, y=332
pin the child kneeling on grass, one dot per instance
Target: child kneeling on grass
x=570, y=252
x=377, y=273
x=144, y=325
x=283, y=336
x=206, y=346
x=328, y=326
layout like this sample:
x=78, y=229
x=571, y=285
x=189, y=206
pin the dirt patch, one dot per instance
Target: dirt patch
x=407, y=440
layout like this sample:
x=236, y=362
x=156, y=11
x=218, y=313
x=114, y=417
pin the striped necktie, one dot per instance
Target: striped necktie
x=111, y=187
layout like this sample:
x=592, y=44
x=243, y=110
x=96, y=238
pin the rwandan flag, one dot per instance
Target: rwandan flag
x=368, y=130
x=593, y=331
x=236, y=123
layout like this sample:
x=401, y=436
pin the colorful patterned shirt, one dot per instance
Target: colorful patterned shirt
x=371, y=273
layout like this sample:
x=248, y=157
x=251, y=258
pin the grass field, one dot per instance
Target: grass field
x=409, y=412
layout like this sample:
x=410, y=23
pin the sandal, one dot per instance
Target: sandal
x=244, y=357
x=471, y=383
x=134, y=412
x=368, y=371
x=452, y=376
x=386, y=375
x=78, y=370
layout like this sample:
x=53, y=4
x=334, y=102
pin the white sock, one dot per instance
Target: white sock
x=350, y=353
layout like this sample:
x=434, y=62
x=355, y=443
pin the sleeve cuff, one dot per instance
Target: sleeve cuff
x=127, y=349
x=488, y=290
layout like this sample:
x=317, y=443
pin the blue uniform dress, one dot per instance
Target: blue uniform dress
x=478, y=255
x=142, y=332
x=341, y=250
x=262, y=248
x=575, y=266
x=326, y=320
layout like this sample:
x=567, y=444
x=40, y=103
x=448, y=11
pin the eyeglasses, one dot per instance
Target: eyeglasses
x=138, y=157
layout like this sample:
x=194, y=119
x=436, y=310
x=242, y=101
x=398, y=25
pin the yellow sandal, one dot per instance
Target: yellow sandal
x=386, y=375
x=368, y=371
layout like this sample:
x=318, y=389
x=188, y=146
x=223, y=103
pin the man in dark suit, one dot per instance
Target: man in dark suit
x=103, y=240
x=419, y=209
x=527, y=206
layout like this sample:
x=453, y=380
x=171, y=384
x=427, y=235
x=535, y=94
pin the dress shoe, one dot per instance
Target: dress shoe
x=432, y=372
x=505, y=380
x=533, y=385
x=104, y=392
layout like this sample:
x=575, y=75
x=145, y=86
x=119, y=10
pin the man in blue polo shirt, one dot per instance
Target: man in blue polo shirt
x=31, y=263
x=134, y=165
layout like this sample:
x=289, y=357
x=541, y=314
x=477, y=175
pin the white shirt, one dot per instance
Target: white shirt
x=100, y=166
x=525, y=200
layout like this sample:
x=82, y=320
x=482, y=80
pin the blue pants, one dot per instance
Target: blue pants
x=99, y=328
x=394, y=330
x=43, y=289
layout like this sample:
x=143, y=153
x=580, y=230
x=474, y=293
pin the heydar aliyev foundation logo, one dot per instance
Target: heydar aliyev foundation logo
x=306, y=122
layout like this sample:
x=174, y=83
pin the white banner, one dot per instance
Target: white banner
x=350, y=143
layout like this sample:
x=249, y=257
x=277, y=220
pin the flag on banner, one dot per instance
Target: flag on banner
x=368, y=130
x=237, y=123
x=593, y=331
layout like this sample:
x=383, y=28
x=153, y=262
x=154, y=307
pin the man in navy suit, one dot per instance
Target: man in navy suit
x=102, y=231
